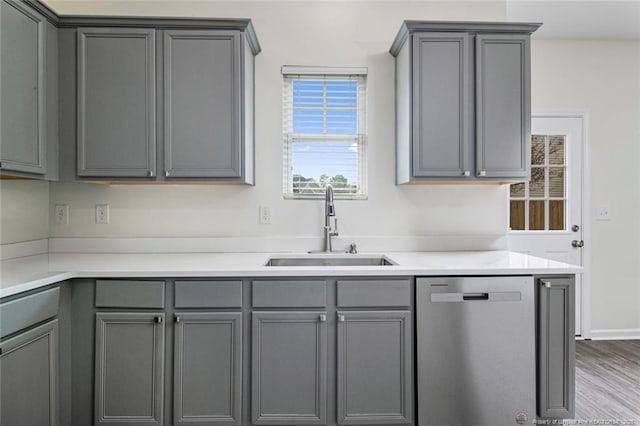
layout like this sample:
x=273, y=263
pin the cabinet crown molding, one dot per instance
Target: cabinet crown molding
x=410, y=26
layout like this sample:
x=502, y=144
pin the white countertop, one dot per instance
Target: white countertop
x=30, y=272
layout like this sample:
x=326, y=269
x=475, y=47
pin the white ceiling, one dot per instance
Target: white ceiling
x=584, y=19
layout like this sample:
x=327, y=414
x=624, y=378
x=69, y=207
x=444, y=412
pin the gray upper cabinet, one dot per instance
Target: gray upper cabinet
x=116, y=105
x=157, y=99
x=441, y=103
x=556, y=347
x=289, y=368
x=129, y=368
x=29, y=371
x=503, y=106
x=375, y=379
x=23, y=121
x=202, y=104
x=462, y=101
x=207, y=369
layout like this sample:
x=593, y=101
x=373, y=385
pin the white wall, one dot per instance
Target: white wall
x=24, y=210
x=603, y=79
x=296, y=33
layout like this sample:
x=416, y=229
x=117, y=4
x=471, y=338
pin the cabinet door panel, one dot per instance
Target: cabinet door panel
x=441, y=105
x=116, y=102
x=29, y=385
x=202, y=104
x=556, y=356
x=375, y=383
x=289, y=368
x=129, y=368
x=503, y=106
x=207, y=369
x=22, y=138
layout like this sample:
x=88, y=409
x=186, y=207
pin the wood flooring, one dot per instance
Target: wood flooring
x=608, y=381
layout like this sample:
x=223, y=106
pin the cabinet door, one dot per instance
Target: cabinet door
x=289, y=368
x=129, y=367
x=29, y=385
x=202, y=104
x=207, y=368
x=375, y=383
x=503, y=106
x=116, y=102
x=442, y=109
x=22, y=139
x=556, y=348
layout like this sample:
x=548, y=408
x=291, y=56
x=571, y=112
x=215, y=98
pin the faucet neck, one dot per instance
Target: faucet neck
x=329, y=207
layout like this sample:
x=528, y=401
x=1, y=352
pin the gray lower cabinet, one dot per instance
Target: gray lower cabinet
x=452, y=78
x=556, y=347
x=289, y=368
x=375, y=379
x=23, y=122
x=129, y=368
x=29, y=372
x=116, y=105
x=207, y=368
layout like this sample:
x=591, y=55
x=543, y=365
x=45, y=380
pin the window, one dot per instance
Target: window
x=324, y=132
x=540, y=204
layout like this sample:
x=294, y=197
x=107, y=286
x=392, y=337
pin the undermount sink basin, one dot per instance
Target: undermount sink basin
x=330, y=260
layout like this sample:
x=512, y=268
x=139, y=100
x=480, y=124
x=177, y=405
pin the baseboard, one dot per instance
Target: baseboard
x=616, y=334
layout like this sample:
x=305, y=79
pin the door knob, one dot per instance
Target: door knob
x=577, y=244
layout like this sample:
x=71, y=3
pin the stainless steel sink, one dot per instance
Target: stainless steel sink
x=330, y=260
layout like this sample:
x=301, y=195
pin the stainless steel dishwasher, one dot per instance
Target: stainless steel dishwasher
x=475, y=351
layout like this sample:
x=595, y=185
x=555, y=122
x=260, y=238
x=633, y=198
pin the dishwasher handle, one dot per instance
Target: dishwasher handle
x=475, y=296
x=498, y=296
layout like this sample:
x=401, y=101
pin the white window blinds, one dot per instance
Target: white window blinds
x=324, y=129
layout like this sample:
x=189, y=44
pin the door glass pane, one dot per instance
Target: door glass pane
x=517, y=190
x=556, y=150
x=556, y=182
x=536, y=215
x=536, y=186
x=556, y=215
x=541, y=203
x=516, y=215
x=537, y=149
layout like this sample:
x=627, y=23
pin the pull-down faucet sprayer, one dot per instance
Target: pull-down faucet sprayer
x=329, y=211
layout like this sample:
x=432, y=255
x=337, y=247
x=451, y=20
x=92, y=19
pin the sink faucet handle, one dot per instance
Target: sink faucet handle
x=334, y=231
x=353, y=249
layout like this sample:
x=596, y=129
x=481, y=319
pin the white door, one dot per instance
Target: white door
x=545, y=214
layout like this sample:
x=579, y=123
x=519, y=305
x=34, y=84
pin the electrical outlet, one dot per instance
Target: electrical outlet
x=102, y=214
x=265, y=215
x=61, y=214
x=603, y=213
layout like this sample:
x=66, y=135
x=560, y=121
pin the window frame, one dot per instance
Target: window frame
x=358, y=74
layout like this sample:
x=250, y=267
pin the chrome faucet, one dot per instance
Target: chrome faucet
x=329, y=210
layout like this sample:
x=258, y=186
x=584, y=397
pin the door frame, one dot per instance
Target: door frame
x=582, y=115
